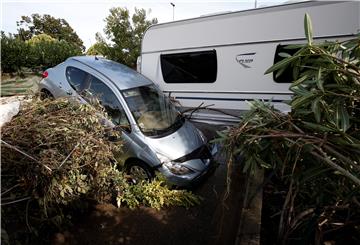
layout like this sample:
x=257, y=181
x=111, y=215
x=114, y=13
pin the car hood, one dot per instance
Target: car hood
x=180, y=143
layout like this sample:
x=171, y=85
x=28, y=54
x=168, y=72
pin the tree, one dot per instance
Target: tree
x=40, y=52
x=46, y=51
x=14, y=53
x=314, y=151
x=124, y=34
x=47, y=24
x=95, y=49
x=100, y=47
x=40, y=38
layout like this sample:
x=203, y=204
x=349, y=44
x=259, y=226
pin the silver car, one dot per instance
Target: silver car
x=156, y=137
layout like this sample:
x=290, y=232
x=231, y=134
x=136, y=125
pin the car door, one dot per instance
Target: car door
x=95, y=92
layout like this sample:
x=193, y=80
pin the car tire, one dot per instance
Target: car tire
x=46, y=94
x=139, y=171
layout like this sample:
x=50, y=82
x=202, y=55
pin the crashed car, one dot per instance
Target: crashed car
x=155, y=135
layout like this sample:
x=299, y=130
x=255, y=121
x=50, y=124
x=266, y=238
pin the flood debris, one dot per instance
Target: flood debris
x=56, y=156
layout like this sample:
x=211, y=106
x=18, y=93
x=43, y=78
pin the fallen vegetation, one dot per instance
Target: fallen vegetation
x=313, y=153
x=56, y=158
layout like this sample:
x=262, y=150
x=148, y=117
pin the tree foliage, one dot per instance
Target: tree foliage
x=40, y=52
x=48, y=52
x=96, y=49
x=57, y=28
x=40, y=38
x=314, y=150
x=14, y=53
x=125, y=35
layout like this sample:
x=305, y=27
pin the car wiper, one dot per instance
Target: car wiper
x=178, y=121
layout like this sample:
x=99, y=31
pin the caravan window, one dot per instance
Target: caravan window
x=193, y=67
x=287, y=75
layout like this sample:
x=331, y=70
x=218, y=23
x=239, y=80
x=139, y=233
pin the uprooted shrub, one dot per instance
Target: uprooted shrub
x=55, y=155
x=315, y=150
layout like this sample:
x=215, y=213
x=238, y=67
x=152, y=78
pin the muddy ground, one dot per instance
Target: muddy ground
x=214, y=221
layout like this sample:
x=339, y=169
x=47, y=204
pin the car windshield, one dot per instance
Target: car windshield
x=152, y=110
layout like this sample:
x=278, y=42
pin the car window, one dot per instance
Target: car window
x=97, y=89
x=76, y=78
x=152, y=110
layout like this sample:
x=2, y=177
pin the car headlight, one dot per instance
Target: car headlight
x=174, y=167
x=177, y=168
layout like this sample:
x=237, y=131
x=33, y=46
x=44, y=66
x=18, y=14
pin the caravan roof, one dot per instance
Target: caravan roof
x=259, y=25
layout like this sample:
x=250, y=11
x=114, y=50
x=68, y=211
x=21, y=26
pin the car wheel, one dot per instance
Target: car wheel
x=45, y=94
x=139, y=171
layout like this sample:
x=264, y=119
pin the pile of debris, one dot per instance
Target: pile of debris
x=56, y=154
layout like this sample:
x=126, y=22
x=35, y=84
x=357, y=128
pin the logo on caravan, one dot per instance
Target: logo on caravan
x=245, y=59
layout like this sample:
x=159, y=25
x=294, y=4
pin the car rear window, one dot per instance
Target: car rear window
x=76, y=78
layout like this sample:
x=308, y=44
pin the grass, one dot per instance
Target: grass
x=11, y=86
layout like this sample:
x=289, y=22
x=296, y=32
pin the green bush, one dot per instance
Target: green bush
x=40, y=52
x=48, y=52
x=156, y=194
x=315, y=150
x=14, y=53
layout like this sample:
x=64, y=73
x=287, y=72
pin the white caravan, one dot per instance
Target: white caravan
x=220, y=59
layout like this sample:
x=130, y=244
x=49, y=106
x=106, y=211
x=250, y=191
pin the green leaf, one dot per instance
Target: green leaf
x=284, y=55
x=316, y=109
x=342, y=117
x=296, y=69
x=217, y=140
x=299, y=81
x=319, y=81
x=320, y=84
x=280, y=71
x=300, y=90
x=222, y=134
x=262, y=163
x=308, y=29
x=319, y=127
x=280, y=64
x=303, y=100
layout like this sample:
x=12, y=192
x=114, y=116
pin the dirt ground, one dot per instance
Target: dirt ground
x=214, y=221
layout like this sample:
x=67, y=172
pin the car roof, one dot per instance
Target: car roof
x=122, y=76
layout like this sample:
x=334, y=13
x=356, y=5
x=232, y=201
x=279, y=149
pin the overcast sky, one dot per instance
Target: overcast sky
x=86, y=17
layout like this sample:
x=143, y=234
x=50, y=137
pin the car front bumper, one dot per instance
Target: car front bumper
x=197, y=175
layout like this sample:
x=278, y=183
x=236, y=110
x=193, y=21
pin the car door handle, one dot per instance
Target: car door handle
x=68, y=92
